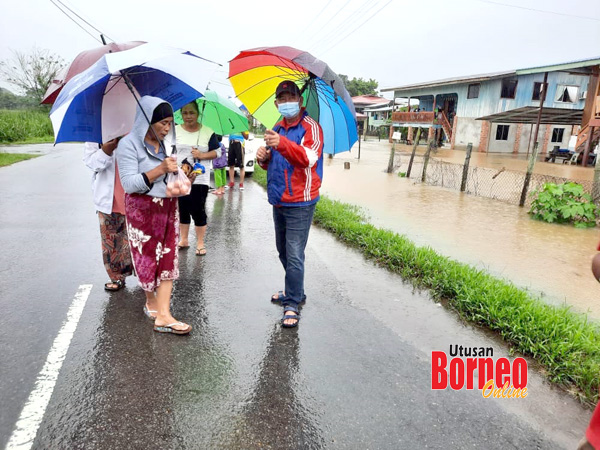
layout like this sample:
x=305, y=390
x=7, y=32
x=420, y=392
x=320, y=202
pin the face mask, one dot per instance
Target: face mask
x=289, y=110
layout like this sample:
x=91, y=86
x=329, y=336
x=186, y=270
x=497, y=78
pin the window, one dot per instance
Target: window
x=557, y=134
x=537, y=91
x=566, y=94
x=473, y=91
x=502, y=132
x=509, y=88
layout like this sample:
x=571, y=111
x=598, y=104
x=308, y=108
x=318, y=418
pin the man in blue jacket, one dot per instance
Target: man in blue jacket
x=293, y=159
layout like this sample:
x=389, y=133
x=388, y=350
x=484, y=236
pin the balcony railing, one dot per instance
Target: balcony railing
x=414, y=117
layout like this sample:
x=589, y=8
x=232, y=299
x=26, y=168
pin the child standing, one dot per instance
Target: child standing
x=219, y=165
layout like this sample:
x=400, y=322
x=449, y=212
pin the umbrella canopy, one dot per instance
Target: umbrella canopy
x=97, y=105
x=218, y=113
x=82, y=62
x=255, y=74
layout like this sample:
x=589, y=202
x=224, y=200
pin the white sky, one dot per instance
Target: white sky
x=396, y=42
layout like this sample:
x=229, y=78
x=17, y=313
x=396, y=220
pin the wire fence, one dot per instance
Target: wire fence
x=498, y=184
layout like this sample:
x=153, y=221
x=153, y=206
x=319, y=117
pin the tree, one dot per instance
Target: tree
x=31, y=73
x=358, y=86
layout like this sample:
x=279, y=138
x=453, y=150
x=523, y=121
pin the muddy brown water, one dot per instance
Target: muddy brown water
x=551, y=260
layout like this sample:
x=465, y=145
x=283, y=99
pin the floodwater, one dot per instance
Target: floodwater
x=549, y=259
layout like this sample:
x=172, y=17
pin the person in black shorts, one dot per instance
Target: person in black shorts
x=235, y=157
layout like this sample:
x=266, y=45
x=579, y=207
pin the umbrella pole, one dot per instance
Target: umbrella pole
x=137, y=100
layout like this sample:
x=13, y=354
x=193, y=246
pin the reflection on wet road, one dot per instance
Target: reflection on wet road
x=355, y=374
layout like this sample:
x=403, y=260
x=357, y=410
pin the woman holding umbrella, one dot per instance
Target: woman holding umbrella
x=152, y=220
x=195, y=142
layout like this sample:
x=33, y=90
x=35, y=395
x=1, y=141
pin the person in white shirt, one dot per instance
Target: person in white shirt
x=195, y=143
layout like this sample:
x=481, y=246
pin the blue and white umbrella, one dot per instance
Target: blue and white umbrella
x=97, y=105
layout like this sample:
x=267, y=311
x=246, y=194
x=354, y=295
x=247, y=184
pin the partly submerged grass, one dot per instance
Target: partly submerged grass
x=563, y=342
x=7, y=159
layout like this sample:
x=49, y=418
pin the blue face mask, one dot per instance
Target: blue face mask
x=289, y=110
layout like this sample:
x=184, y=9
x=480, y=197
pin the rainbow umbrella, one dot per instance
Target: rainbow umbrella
x=255, y=74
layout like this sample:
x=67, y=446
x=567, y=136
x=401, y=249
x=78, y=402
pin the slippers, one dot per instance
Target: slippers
x=281, y=295
x=119, y=284
x=201, y=251
x=285, y=317
x=169, y=328
x=149, y=313
x=183, y=247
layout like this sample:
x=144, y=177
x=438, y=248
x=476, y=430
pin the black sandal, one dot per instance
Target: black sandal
x=120, y=284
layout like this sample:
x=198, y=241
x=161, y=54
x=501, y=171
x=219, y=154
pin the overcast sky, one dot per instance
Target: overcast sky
x=395, y=42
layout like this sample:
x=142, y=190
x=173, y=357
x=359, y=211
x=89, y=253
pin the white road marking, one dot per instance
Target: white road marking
x=33, y=412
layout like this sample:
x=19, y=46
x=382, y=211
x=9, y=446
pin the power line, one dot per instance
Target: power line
x=315, y=39
x=539, y=10
x=348, y=22
x=75, y=22
x=356, y=29
x=317, y=18
x=85, y=21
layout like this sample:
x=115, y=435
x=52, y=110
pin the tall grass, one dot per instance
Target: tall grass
x=25, y=125
x=564, y=343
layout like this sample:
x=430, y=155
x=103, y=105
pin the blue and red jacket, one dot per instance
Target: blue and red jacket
x=295, y=170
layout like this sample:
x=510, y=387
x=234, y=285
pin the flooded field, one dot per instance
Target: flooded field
x=551, y=260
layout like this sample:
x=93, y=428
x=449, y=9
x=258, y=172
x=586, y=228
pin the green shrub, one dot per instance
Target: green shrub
x=22, y=125
x=564, y=203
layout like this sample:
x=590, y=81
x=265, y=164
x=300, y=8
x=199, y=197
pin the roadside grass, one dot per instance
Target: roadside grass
x=25, y=126
x=6, y=159
x=564, y=343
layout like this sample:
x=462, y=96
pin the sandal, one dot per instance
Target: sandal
x=149, y=313
x=169, y=328
x=201, y=251
x=285, y=317
x=116, y=285
x=281, y=295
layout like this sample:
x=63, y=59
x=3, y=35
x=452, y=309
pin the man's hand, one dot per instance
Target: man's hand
x=263, y=154
x=271, y=138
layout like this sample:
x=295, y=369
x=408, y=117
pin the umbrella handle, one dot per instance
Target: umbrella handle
x=130, y=86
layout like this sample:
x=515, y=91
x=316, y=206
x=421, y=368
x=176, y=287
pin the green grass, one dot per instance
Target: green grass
x=6, y=159
x=25, y=126
x=565, y=344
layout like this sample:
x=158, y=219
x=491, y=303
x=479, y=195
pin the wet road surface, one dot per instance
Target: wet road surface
x=355, y=374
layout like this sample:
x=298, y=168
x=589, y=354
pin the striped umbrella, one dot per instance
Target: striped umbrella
x=255, y=74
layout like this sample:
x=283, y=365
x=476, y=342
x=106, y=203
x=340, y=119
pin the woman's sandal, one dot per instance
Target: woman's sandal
x=285, y=317
x=117, y=285
x=201, y=251
x=169, y=328
x=149, y=313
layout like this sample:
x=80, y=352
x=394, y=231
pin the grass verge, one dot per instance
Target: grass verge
x=6, y=159
x=565, y=344
x=25, y=126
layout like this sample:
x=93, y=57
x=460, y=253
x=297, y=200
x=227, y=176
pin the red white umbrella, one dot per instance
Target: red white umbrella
x=82, y=62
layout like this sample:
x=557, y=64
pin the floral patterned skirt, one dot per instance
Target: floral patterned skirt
x=153, y=231
x=115, y=248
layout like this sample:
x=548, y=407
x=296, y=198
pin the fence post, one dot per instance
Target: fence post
x=463, y=184
x=532, y=160
x=414, y=150
x=596, y=185
x=430, y=144
x=390, y=167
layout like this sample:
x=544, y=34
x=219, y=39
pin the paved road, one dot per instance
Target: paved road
x=356, y=374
